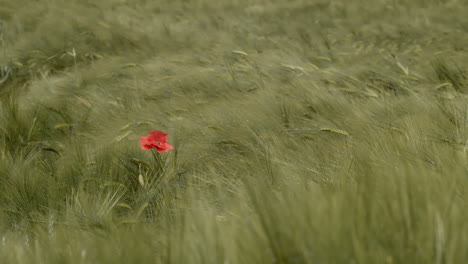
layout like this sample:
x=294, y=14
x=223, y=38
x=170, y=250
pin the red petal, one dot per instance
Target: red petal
x=145, y=143
x=156, y=139
x=164, y=147
x=159, y=136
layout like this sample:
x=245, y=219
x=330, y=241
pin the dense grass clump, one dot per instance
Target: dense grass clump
x=304, y=131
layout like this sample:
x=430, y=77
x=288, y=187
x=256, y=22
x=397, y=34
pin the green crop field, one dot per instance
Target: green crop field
x=304, y=131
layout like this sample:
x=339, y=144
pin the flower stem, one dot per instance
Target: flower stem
x=159, y=160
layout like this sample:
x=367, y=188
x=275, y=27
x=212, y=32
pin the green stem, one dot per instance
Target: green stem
x=159, y=160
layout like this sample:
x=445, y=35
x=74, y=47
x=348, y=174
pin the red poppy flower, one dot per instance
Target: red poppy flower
x=156, y=139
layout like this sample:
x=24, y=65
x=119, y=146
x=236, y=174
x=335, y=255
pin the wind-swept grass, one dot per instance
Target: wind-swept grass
x=304, y=131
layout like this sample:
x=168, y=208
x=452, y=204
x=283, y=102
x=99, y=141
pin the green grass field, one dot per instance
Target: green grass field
x=304, y=131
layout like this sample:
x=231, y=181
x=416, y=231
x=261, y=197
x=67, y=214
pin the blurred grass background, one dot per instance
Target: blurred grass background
x=305, y=131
